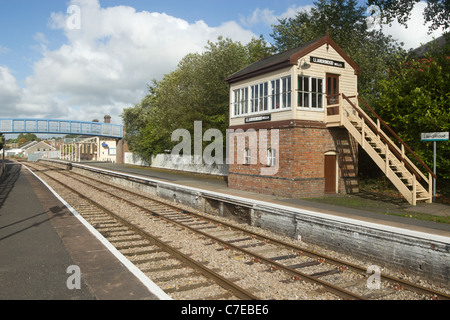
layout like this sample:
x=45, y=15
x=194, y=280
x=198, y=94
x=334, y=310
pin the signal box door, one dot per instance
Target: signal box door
x=332, y=89
x=330, y=174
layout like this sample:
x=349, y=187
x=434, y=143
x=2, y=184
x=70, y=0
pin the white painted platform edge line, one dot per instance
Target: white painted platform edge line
x=127, y=263
x=402, y=231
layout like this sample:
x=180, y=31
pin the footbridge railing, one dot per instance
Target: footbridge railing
x=51, y=126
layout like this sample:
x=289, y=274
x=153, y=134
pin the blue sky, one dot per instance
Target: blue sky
x=21, y=21
x=48, y=70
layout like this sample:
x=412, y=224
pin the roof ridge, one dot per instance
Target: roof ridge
x=278, y=59
x=288, y=58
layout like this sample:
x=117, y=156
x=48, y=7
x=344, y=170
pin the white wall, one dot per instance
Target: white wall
x=164, y=161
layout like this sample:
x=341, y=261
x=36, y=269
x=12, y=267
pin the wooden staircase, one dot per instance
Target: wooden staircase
x=389, y=157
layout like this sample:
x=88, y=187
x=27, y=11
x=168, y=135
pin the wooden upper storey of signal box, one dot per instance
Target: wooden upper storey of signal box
x=296, y=84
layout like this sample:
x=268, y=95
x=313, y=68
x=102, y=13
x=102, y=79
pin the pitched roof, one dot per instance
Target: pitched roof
x=288, y=58
x=34, y=143
x=28, y=144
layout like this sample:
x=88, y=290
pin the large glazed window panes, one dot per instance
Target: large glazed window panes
x=281, y=93
x=236, y=99
x=316, y=93
x=275, y=93
x=259, y=100
x=310, y=93
x=303, y=92
x=263, y=97
x=286, y=82
x=240, y=98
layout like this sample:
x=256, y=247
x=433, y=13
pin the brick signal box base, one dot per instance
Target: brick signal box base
x=313, y=160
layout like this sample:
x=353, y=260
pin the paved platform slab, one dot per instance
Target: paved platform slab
x=40, y=239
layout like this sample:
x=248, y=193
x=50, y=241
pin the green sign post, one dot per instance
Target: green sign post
x=435, y=136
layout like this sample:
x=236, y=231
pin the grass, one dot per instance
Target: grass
x=380, y=203
x=425, y=217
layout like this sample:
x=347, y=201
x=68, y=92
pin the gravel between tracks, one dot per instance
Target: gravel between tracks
x=265, y=284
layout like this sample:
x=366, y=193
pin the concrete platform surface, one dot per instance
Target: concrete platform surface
x=40, y=243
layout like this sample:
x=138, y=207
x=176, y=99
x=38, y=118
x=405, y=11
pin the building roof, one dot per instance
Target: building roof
x=28, y=145
x=287, y=59
x=34, y=143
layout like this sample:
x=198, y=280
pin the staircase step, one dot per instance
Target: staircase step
x=402, y=173
x=399, y=174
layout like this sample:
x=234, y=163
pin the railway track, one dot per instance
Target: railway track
x=245, y=264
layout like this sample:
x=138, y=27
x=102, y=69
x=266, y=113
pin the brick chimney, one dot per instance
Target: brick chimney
x=107, y=119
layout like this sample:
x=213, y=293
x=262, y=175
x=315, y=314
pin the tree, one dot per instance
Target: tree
x=24, y=138
x=2, y=141
x=347, y=24
x=195, y=91
x=415, y=98
x=437, y=12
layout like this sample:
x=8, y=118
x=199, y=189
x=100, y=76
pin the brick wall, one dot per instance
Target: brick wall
x=301, y=155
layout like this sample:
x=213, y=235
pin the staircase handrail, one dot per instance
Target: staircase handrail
x=398, y=138
x=388, y=141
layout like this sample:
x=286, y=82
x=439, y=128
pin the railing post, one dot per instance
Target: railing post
x=403, y=154
x=387, y=161
x=341, y=110
x=414, y=192
x=430, y=187
x=363, y=134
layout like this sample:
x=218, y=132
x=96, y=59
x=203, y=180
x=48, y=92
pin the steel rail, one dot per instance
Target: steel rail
x=220, y=280
x=340, y=263
x=394, y=281
x=329, y=287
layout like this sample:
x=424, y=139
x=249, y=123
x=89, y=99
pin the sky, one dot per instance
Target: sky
x=83, y=59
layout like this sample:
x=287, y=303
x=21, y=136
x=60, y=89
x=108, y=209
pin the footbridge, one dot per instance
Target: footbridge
x=51, y=126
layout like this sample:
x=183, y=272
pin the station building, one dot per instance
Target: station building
x=88, y=148
x=295, y=94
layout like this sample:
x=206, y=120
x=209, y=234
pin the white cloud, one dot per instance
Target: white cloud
x=417, y=32
x=412, y=37
x=10, y=92
x=269, y=18
x=106, y=61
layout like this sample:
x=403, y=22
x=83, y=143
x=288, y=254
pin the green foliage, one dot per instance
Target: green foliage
x=436, y=14
x=195, y=91
x=2, y=141
x=347, y=24
x=415, y=98
x=24, y=138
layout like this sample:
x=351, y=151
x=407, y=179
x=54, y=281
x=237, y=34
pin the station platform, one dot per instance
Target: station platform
x=40, y=242
x=371, y=213
x=40, y=237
